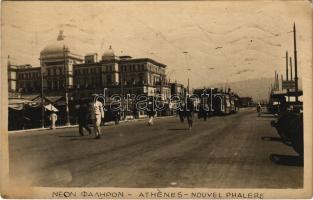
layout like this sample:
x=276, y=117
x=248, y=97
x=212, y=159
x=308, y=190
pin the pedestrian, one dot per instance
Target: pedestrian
x=259, y=109
x=205, y=112
x=189, y=112
x=53, y=119
x=151, y=113
x=83, y=115
x=96, y=114
x=115, y=112
x=283, y=105
x=181, y=112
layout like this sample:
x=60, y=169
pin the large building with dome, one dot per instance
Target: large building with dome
x=63, y=69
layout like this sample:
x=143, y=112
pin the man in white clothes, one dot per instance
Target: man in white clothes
x=96, y=112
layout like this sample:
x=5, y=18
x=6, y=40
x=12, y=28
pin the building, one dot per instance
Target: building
x=63, y=70
x=246, y=101
x=178, y=89
x=23, y=79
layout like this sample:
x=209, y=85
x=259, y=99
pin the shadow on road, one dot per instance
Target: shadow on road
x=287, y=160
x=70, y=136
x=177, y=129
x=267, y=116
x=273, y=139
x=83, y=138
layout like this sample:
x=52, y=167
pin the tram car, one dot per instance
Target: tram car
x=217, y=102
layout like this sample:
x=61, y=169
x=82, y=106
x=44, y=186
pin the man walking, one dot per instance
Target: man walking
x=259, y=109
x=189, y=112
x=82, y=114
x=96, y=111
x=151, y=113
x=53, y=119
x=181, y=112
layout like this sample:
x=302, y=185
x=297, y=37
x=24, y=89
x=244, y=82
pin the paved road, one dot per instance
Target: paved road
x=222, y=152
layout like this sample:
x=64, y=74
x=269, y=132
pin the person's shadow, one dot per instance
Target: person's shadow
x=70, y=136
x=82, y=138
x=273, y=139
x=177, y=129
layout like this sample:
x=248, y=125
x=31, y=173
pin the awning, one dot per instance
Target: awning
x=50, y=107
x=18, y=104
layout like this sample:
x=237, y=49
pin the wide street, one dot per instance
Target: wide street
x=223, y=152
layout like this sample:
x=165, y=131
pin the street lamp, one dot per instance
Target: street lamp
x=66, y=87
x=42, y=71
x=188, y=69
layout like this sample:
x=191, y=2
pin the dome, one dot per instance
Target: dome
x=58, y=47
x=55, y=48
x=108, y=54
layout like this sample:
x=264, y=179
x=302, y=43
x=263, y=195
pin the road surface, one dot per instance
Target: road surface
x=223, y=152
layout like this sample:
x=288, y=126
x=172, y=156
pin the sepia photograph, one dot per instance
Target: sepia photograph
x=156, y=99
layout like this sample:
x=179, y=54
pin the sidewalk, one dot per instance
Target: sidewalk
x=110, y=123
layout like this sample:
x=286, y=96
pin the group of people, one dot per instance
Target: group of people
x=186, y=111
x=94, y=110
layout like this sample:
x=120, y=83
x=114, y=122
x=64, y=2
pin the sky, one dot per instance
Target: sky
x=219, y=41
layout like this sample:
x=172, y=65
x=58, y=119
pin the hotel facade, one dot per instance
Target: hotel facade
x=62, y=70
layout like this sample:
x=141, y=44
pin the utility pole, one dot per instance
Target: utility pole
x=42, y=95
x=188, y=86
x=291, y=69
x=296, y=66
x=122, y=90
x=275, y=82
x=287, y=74
x=66, y=88
x=188, y=69
x=282, y=79
x=287, y=65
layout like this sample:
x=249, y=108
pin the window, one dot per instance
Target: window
x=97, y=81
x=140, y=79
x=109, y=79
x=49, y=84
